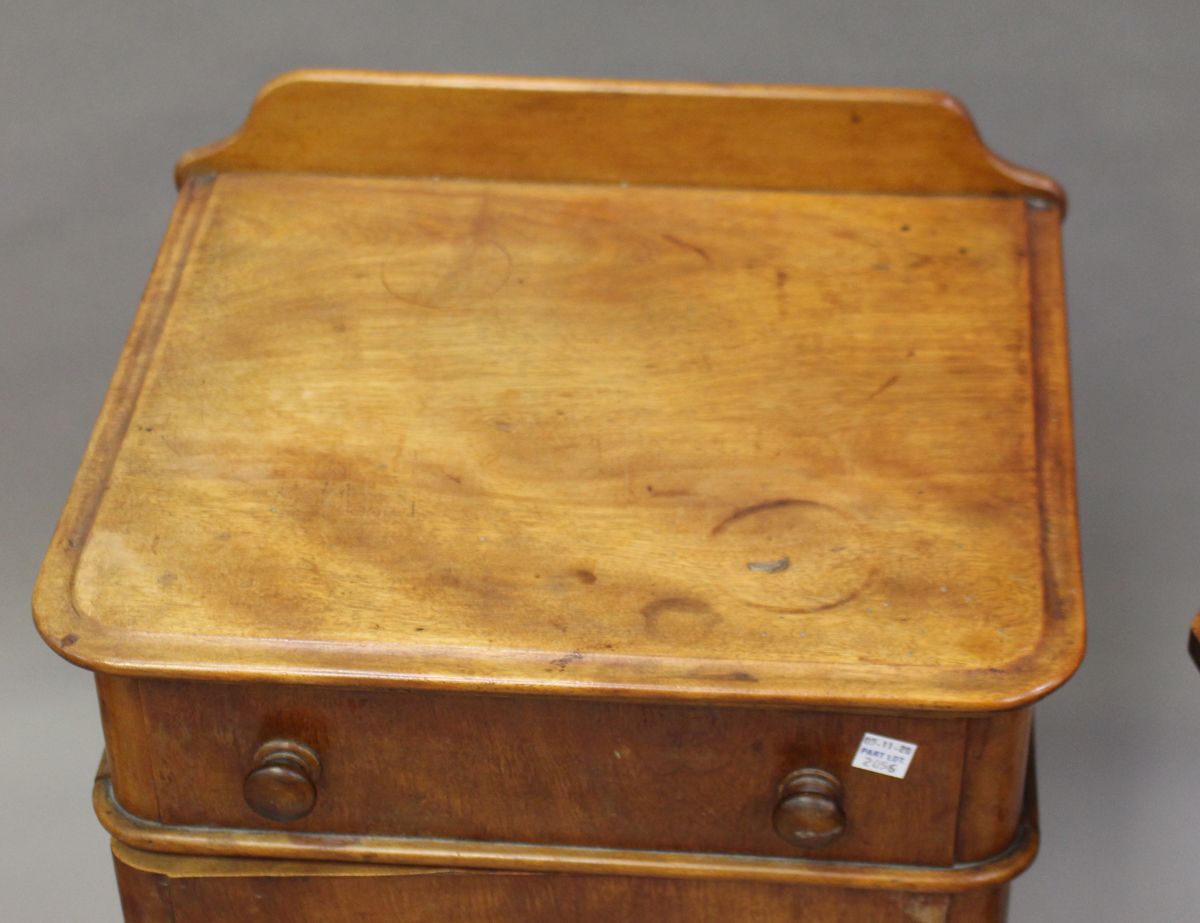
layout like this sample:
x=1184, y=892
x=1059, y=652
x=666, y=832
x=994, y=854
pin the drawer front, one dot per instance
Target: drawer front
x=187, y=890
x=533, y=769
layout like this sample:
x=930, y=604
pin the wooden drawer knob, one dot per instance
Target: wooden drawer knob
x=282, y=784
x=809, y=813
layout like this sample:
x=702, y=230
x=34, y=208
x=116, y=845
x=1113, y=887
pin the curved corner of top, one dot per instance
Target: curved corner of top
x=1030, y=678
x=223, y=155
x=883, y=140
x=1017, y=179
x=54, y=615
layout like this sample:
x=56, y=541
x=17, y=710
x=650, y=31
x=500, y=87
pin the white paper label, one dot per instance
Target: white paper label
x=884, y=755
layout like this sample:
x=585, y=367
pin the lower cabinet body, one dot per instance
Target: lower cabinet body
x=159, y=888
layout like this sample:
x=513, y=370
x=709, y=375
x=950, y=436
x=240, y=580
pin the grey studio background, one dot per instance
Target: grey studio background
x=98, y=99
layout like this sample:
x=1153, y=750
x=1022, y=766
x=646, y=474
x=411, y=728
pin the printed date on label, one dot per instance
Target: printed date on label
x=884, y=755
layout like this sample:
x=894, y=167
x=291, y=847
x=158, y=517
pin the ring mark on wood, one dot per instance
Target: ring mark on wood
x=817, y=556
x=447, y=272
x=850, y=597
x=761, y=508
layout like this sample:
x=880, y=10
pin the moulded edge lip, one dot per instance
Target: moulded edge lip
x=153, y=838
x=861, y=696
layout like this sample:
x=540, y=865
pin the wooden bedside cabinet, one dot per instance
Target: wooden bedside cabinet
x=529, y=500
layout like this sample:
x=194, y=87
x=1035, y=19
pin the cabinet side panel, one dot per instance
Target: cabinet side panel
x=127, y=744
x=993, y=789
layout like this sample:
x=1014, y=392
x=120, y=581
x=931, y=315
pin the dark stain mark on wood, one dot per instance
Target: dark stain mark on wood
x=670, y=238
x=566, y=660
x=584, y=576
x=737, y=676
x=883, y=387
x=697, y=616
x=68, y=640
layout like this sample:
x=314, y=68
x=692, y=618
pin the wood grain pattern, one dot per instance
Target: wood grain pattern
x=522, y=769
x=282, y=846
x=590, y=131
x=413, y=432
x=54, y=612
x=1064, y=635
x=249, y=891
x=145, y=895
x=988, y=905
x=994, y=779
x=128, y=750
x=499, y=898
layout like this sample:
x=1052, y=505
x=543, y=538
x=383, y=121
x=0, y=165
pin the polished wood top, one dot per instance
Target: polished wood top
x=726, y=444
